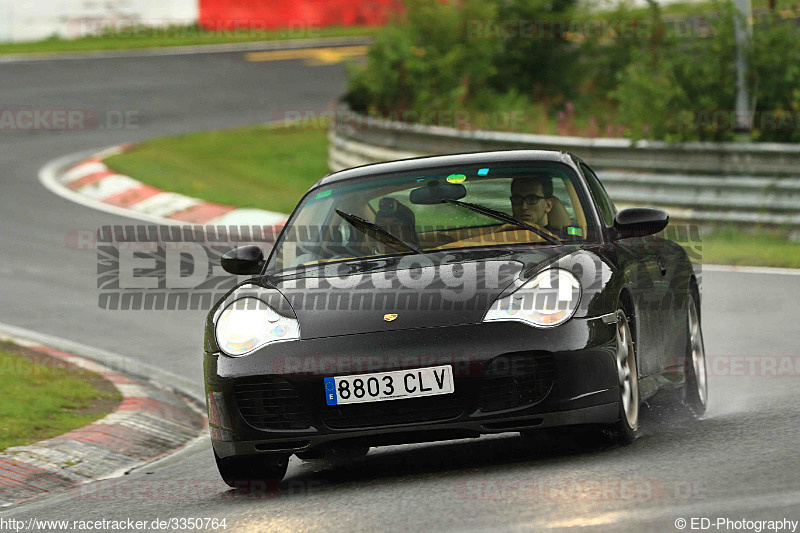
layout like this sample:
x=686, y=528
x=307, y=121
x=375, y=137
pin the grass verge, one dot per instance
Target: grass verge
x=141, y=37
x=44, y=397
x=265, y=167
x=269, y=167
x=761, y=249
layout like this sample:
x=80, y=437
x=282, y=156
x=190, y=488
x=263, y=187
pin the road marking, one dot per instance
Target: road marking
x=186, y=50
x=117, y=362
x=165, y=204
x=144, y=414
x=132, y=196
x=124, y=196
x=751, y=269
x=314, y=57
x=81, y=170
x=202, y=213
x=110, y=185
x=48, y=176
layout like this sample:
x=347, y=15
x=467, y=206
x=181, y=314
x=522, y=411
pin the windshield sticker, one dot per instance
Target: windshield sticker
x=483, y=172
x=456, y=178
x=571, y=230
x=323, y=194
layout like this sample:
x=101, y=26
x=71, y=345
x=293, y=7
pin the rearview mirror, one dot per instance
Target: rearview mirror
x=243, y=260
x=434, y=192
x=638, y=222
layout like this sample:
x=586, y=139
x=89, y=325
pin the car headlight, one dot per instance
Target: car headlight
x=546, y=301
x=249, y=323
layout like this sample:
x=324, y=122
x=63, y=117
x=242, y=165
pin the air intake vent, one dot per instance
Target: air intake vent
x=517, y=380
x=271, y=403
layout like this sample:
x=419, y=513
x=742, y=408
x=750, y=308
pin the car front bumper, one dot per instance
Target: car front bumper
x=508, y=377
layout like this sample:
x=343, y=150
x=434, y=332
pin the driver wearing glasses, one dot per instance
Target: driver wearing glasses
x=532, y=201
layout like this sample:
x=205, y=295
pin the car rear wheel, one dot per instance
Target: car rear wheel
x=696, y=391
x=625, y=354
x=244, y=472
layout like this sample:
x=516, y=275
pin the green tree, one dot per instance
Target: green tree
x=536, y=57
x=428, y=63
x=775, y=82
x=682, y=87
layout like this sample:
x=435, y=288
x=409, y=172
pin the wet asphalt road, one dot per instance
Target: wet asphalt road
x=741, y=462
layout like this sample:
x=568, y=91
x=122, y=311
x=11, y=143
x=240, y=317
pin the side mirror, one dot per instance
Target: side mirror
x=638, y=222
x=243, y=260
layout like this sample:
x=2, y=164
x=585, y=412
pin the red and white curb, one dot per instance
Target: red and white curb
x=151, y=422
x=90, y=182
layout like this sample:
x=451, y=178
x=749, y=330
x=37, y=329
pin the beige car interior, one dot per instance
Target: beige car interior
x=396, y=217
x=558, y=218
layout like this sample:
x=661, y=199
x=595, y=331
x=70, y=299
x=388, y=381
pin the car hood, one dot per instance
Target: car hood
x=406, y=292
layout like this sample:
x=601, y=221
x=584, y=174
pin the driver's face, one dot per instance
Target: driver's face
x=530, y=213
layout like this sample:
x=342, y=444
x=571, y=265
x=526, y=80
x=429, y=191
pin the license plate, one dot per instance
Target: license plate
x=394, y=385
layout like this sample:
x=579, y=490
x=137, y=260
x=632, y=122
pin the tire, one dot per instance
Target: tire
x=627, y=427
x=695, y=395
x=241, y=472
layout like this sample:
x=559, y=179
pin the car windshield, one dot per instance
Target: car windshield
x=436, y=209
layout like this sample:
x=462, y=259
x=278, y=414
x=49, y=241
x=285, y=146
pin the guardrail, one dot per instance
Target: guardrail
x=714, y=183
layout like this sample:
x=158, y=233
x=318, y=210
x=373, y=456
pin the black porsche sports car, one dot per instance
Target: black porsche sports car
x=448, y=297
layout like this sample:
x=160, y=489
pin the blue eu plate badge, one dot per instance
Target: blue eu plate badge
x=330, y=391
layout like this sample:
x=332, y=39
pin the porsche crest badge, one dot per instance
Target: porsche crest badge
x=389, y=317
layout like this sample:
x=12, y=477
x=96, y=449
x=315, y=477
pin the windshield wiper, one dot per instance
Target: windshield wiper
x=378, y=233
x=503, y=217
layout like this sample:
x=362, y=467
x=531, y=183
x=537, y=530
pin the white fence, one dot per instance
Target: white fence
x=28, y=20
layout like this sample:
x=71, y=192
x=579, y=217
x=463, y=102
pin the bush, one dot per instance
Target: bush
x=775, y=82
x=470, y=56
x=428, y=63
x=667, y=83
x=453, y=55
x=679, y=89
x=674, y=86
x=540, y=63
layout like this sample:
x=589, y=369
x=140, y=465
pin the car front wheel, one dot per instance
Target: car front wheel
x=627, y=426
x=696, y=391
